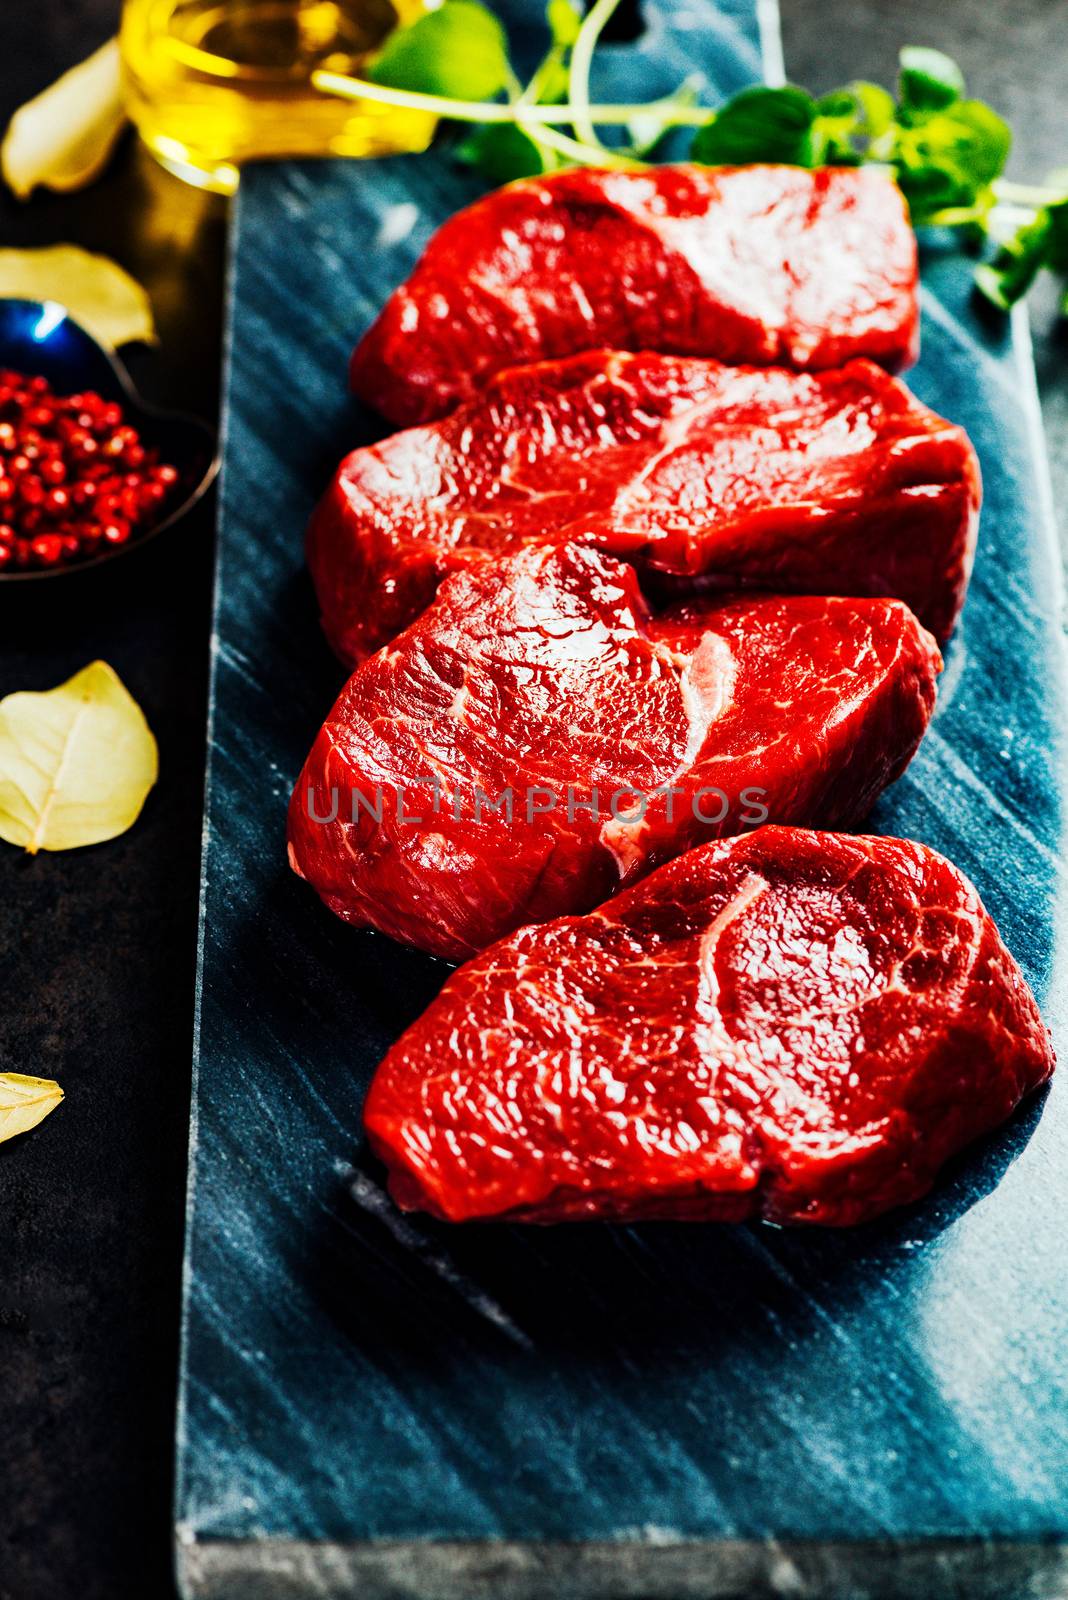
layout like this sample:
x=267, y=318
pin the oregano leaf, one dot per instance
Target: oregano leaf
x=759, y=124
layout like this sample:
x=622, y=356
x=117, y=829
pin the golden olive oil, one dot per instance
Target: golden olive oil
x=213, y=83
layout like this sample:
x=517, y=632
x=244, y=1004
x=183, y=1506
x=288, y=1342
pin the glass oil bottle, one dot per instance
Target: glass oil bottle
x=213, y=83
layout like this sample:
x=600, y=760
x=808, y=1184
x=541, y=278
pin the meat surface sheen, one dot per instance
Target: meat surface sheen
x=820, y=483
x=764, y=265
x=799, y=1026
x=537, y=738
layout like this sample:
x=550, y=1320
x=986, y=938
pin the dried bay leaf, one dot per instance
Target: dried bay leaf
x=65, y=135
x=95, y=290
x=24, y=1102
x=76, y=762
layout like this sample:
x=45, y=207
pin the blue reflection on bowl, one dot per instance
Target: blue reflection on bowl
x=38, y=337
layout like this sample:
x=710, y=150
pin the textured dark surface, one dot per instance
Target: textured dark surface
x=97, y=949
x=353, y=1378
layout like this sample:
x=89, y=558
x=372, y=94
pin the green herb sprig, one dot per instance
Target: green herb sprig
x=947, y=151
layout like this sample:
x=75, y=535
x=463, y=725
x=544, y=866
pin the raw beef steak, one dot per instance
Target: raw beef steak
x=537, y=737
x=796, y=1025
x=765, y=265
x=821, y=483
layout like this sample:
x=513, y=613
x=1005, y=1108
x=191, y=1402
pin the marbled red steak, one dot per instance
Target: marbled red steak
x=819, y=483
x=795, y=1025
x=544, y=678
x=763, y=265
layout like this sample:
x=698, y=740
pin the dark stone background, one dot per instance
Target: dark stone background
x=97, y=948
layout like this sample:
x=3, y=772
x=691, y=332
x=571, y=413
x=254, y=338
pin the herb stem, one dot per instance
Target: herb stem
x=954, y=217
x=578, y=84
x=587, y=155
x=531, y=94
x=349, y=88
x=1028, y=194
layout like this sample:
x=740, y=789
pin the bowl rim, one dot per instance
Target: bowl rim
x=161, y=413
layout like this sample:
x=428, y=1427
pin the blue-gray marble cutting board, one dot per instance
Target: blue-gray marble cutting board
x=379, y=1406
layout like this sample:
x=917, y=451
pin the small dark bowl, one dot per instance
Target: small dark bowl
x=39, y=338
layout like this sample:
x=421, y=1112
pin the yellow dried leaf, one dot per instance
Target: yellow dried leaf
x=24, y=1102
x=76, y=762
x=96, y=291
x=64, y=136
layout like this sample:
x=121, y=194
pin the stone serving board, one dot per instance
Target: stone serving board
x=383, y=1407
